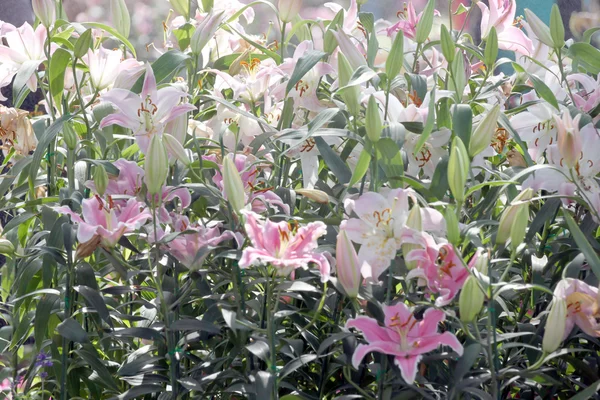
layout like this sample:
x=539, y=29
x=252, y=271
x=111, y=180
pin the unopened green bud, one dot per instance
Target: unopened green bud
x=120, y=17
x=156, y=166
x=482, y=136
x=175, y=149
x=182, y=7
x=514, y=220
x=458, y=169
x=413, y=221
x=470, y=300
x=205, y=32
x=45, y=11
x=555, y=326
x=538, y=27
x=233, y=185
x=373, y=125
x=70, y=136
x=452, y=227
x=351, y=94
x=6, y=247
x=393, y=64
x=289, y=9
x=100, y=179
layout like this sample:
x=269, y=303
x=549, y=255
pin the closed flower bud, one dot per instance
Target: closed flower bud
x=156, y=166
x=413, y=221
x=347, y=265
x=233, y=185
x=182, y=7
x=45, y=11
x=175, y=149
x=6, y=247
x=70, y=136
x=482, y=261
x=351, y=94
x=120, y=17
x=540, y=29
x=482, y=136
x=452, y=227
x=100, y=180
x=347, y=47
x=289, y=9
x=458, y=169
x=373, y=120
x=555, y=326
x=569, y=139
x=205, y=31
x=514, y=219
x=471, y=300
x=315, y=195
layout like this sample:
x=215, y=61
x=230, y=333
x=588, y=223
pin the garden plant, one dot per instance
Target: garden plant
x=336, y=208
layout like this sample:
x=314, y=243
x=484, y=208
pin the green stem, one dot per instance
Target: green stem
x=283, y=26
x=271, y=332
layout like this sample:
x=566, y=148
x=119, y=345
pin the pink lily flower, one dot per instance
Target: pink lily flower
x=259, y=198
x=304, y=92
x=380, y=226
x=190, y=248
x=145, y=114
x=438, y=267
x=501, y=15
x=25, y=46
x=583, y=308
x=408, y=21
x=284, y=245
x=403, y=336
x=107, y=220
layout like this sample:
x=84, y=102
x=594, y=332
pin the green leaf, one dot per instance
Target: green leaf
x=139, y=391
x=439, y=180
x=47, y=137
x=43, y=311
x=194, y=325
x=584, y=245
x=491, y=50
x=362, y=166
x=296, y=363
x=505, y=123
x=462, y=122
x=428, y=124
x=164, y=68
x=113, y=32
x=425, y=23
x=95, y=300
x=457, y=80
x=588, y=56
x=56, y=74
x=543, y=90
x=587, y=35
x=83, y=43
x=184, y=35
x=367, y=20
x=333, y=161
x=304, y=64
x=71, y=330
x=391, y=160
x=89, y=354
x=588, y=392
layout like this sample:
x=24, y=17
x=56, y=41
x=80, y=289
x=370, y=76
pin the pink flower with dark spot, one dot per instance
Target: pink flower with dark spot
x=403, y=336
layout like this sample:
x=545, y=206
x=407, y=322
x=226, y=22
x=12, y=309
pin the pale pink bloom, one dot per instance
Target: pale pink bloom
x=408, y=21
x=350, y=15
x=129, y=72
x=103, y=65
x=581, y=178
x=25, y=46
x=536, y=127
x=380, y=225
x=146, y=113
x=191, y=246
x=108, y=220
x=438, y=267
x=582, y=306
x=347, y=266
x=569, y=139
x=501, y=15
x=403, y=336
x=304, y=92
x=259, y=197
x=587, y=98
x=283, y=245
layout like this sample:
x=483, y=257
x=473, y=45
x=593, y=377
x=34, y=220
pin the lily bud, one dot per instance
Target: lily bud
x=482, y=262
x=70, y=136
x=6, y=247
x=514, y=219
x=156, y=166
x=175, y=149
x=288, y=9
x=373, y=120
x=315, y=195
x=413, y=221
x=569, y=139
x=233, y=185
x=393, y=64
x=347, y=265
x=100, y=179
x=538, y=27
x=452, y=227
x=555, y=326
x=351, y=94
x=205, y=31
x=45, y=11
x=471, y=300
x=120, y=17
x=354, y=57
x=482, y=136
x=458, y=169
